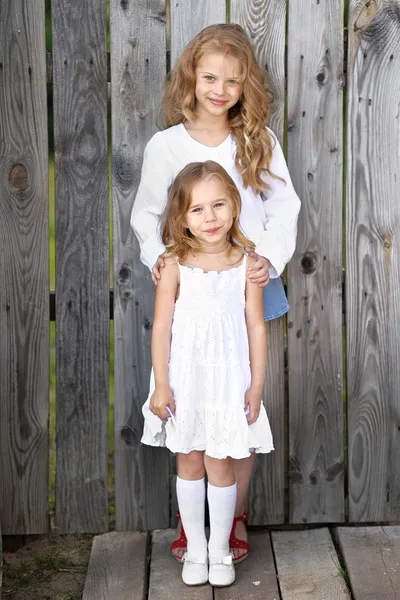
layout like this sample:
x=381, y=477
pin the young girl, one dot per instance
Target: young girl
x=216, y=105
x=208, y=352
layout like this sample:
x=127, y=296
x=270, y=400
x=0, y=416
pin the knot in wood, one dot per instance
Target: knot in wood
x=18, y=177
x=387, y=242
x=124, y=4
x=124, y=273
x=309, y=263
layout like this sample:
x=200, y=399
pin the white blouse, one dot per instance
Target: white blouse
x=268, y=219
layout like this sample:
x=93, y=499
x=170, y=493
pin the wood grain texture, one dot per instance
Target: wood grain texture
x=117, y=567
x=24, y=294
x=165, y=573
x=307, y=565
x=373, y=260
x=82, y=263
x=264, y=22
x=189, y=17
x=315, y=81
x=138, y=71
x=266, y=501
x=372, y=557
x=256, y=578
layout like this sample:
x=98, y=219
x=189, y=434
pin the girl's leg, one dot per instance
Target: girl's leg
x=221, y=504
x=243, y=469
x=190, y=491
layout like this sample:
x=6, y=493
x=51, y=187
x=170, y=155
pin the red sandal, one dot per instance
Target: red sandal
x=237, y=544
x=180, y=543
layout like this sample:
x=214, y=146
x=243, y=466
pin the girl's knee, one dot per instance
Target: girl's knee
x=220, y=472
x=191, y=466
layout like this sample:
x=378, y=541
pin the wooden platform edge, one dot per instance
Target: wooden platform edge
x=118, y=564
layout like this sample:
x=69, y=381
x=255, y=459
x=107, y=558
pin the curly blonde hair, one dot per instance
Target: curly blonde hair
x=247, y=119
x=175, y=235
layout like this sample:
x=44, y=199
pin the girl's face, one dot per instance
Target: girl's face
x=211, y=212
x=218, y=86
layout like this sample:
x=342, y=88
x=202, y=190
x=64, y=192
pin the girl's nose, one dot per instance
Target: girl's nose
x=209, y=216
x=219, y=88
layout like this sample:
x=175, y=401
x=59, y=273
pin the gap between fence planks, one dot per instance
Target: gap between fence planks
x=315, y=105
x=117, y=567
x=373, y=261
x=82, y=264
x=137, y=55
x=308, y=566
x=24, y=270
x=265, y=26
x=372, y=556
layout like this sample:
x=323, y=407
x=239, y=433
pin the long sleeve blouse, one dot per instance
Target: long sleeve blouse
x=269, y=219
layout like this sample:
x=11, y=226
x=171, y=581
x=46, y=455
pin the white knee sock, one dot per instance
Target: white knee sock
x=221, y=504
x=191, y=500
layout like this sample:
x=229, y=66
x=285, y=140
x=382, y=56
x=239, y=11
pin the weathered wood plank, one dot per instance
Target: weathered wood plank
x=373, y=260
x=24, y=270
x=82, y=263
x=256, y=578
x=117, y=567
x=165, y=574
x=372, y=556
x=265, y=25
x=138, y=68
x=308, y=566
x=189, y=18
x=315, y=81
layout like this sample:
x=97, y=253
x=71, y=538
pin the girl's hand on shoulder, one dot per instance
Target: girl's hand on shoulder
x=258, y=271
x=252, y=403
x=156, y=270
x=160, y=400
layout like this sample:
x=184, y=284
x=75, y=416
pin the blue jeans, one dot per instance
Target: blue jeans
x=274, y=300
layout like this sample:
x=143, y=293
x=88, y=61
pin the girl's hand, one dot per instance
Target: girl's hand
x=160, y=400
x=259, y=270
x=156, y=270
x=252, y=401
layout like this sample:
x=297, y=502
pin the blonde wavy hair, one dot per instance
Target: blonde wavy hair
x=175, y=236
x=247, y=119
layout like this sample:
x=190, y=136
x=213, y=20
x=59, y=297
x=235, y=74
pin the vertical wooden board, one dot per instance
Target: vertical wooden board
x=315, y=82
x=188, y=18
x=267, y=489
x=308, y=566
x=117, y=567
x=372, y=557
x=264, y=22
x=373, y=260
x=256, y=578
x=24, y=270
x=82, y=263
x=138, y=62
x=165, y=573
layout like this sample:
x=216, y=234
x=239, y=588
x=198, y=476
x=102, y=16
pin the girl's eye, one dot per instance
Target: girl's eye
x=232, y=81
x=209, y=78
x=218, y=204
x=196, y=210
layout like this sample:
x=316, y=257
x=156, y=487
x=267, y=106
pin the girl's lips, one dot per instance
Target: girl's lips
x=218, y=102
x=214, y=230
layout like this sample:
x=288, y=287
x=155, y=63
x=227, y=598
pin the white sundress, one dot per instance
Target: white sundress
x=209, y=371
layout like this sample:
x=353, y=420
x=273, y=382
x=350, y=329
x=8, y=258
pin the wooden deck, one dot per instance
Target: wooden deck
x=362, y=563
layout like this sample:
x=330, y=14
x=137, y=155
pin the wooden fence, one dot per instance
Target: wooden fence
x=337, y=422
